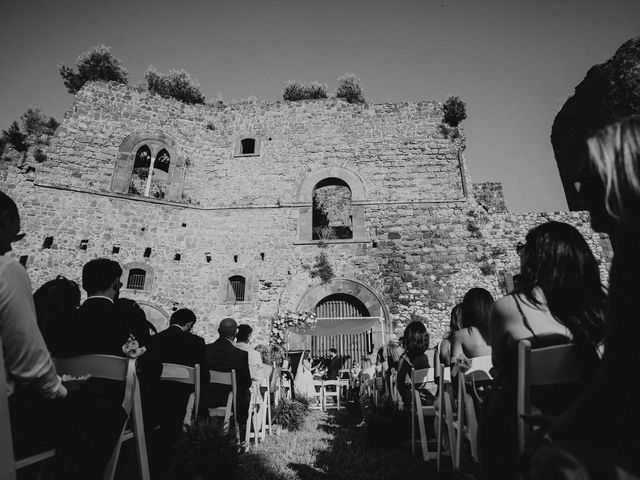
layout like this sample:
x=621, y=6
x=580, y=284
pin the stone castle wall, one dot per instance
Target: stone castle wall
x=424, y=240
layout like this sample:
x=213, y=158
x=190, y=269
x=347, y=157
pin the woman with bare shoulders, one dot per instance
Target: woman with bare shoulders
x=444, y=348
x=599, y=436
x=472, y=340
x=560, y=298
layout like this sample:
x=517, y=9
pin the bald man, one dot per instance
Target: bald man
x=223, y=356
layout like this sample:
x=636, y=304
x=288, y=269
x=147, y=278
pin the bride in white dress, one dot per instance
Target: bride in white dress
x=303, y=382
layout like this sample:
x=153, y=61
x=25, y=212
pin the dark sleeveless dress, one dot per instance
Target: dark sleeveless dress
x=497, y=430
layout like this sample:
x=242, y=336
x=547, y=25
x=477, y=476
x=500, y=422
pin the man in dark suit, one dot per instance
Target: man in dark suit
x=223, y=356
x=97, y=415
x=177, y=345
x=334, y=364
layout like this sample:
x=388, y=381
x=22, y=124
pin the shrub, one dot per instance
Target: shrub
x=455, y=110
x=296, y=91
x=51, y=126
x=205, y=452
x=293, y=91
x=290, y=414
x=349, y=89
x=98, y=63
x=322, y=268
x=15, y=137
x=39, y=155
x=177, y=84
x=315, y=90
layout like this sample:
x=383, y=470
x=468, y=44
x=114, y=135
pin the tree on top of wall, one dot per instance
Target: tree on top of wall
x=98, y=63
x=177, y=84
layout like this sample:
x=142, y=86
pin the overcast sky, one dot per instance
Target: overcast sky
x=513, y=62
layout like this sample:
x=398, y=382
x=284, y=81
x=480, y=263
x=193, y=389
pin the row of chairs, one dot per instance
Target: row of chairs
x=122, y=369
x=536, y=367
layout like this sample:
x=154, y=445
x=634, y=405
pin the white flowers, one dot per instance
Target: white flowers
x=132, y=349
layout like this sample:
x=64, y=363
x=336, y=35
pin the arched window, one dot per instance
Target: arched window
x=248, y=146
x=149, y=178
x=237, y=288
x=136, y=279
x=150, y=165
x=332, y=217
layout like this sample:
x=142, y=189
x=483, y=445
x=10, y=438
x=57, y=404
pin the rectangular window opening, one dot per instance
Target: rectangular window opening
x=23, y=260
x=84, y=244
x=48, y=241
x=147, y=252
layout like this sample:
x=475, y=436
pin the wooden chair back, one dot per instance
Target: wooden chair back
x=467, y=422
x=230, y=409
x=333, y=392
x=559, y=364
x=444, y=413
x=173, y=372
x=420, y=379
x=7, y=467
x=110, y=367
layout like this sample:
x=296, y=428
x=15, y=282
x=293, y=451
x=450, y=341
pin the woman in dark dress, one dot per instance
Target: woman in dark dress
x=560, y=299
x=416, y=342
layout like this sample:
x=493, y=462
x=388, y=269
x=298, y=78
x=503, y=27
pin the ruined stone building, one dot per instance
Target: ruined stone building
x=211, y=207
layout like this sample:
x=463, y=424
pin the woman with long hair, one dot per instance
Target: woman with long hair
x=598, y=436
x=444, y=349
x=416, y=342
x=560, y=298
x=472, y=340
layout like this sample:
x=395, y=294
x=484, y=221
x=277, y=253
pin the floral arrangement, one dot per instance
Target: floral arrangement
x=132, y=348
x=287, y=319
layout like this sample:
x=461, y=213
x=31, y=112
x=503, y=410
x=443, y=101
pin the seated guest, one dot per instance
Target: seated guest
x=269, y=366
x=416, y=342
x=560, y=299
x=223, y=356
x=598, y=436
x=366, y=380
x=34, y=388
x=255, y=360
x=177, y=345
x=455, y=325
x=472, y=340
x=135, y=320
x=98, y=417
x=56, y=303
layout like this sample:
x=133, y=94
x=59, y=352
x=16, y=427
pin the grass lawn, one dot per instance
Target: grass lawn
x=332, y=446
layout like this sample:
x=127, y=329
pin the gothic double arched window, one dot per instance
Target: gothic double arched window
x=149, y=165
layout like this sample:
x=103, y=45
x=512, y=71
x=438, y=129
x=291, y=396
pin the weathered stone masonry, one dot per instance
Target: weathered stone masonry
x=420, y=238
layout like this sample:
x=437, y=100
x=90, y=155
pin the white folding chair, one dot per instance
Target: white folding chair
x=230, y=409
x=419, y=378
x=317, y=395
x=122, y=369
x=554, y=365
x=444, y=414
x=333, y=392
x=466, y=425
x=173, y=372
x=378, y=390
x=259, y=417
x=7, y=460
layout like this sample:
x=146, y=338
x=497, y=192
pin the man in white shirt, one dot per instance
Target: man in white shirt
x=31, y=375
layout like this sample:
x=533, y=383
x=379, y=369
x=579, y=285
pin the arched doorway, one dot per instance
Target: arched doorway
x=155, y=315
x=351, y=319
x=354, y=346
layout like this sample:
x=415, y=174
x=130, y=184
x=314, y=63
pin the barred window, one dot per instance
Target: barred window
x=136, y=279
x=237, y=288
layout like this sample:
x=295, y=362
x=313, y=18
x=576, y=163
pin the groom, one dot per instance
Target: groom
x=334, y=364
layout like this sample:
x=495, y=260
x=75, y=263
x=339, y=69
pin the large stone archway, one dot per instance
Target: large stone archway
x=372, y=306
x=355, y=288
